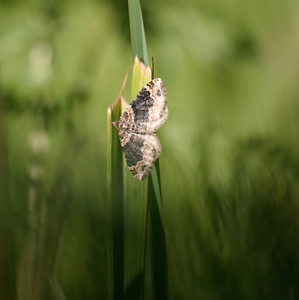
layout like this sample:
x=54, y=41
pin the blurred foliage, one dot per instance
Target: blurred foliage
x=229, y=166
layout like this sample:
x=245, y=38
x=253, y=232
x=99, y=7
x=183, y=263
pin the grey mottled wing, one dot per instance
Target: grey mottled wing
x=149, y=108
x=141, y=151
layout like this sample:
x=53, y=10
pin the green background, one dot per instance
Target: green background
x=229, y=167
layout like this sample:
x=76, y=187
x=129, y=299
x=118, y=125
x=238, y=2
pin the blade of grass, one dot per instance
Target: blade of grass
x=159, y=258
x=159, y=254
x=109, y=206
x=115, y=190
x=140, y=51
x=135, y=209
x=138, y=40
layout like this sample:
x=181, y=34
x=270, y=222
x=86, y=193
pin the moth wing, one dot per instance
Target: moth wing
x=150, y=106
x=141, y=151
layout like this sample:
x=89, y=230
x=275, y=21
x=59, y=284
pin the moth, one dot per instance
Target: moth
x=138, y=125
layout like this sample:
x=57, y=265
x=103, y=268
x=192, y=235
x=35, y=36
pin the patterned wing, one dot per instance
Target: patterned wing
x=150, y=106
x=148, y=112
x=141, y=151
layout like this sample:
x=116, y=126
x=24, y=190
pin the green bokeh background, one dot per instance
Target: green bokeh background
x=229, y=167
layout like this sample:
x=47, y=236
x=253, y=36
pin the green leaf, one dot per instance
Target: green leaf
x=159, y=254
x=135, y=208
x=158, y=242
x=128, y=197
x=137, y=31
x=115, y=190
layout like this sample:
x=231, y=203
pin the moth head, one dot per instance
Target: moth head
x=116, y=124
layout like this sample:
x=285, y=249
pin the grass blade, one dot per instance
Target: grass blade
x=138, y=40
x=159, y=254
x=159, y=257
x=115, y=192
x=136, y=210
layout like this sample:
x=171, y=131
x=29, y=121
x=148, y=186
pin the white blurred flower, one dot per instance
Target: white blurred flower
x=40, y=58
x=39, y=142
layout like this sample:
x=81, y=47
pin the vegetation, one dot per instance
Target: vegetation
x=229, y=167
